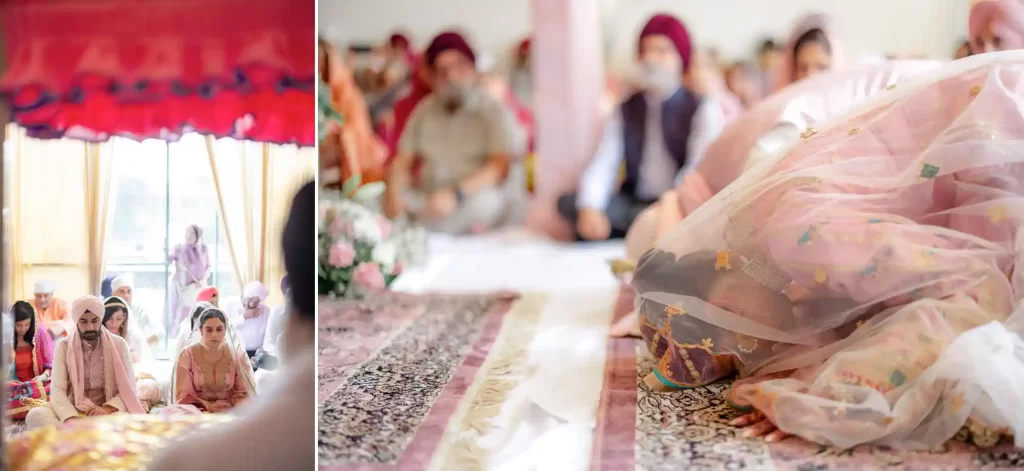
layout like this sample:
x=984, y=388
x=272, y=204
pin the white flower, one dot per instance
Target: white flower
x=366, y=230
x=384, y=254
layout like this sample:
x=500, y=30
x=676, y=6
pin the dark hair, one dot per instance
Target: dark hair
x=107, y=288
x=324, y=56
x=816, y=35
x=768, y=45
x=110, y=307
x=299, y=244
x=198, y=231
x=691, y=275
x=196, y=311
x=212, y=314
x=23, y=310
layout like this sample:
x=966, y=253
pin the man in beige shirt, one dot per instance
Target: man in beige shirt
x=92, y=372
x=468, y=143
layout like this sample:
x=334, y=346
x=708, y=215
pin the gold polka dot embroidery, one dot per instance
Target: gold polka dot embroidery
x=722, y=261
x=853, y=131
x=975, y=90
x=808, y=133
x=820, y=276
x=997, y=213
x=891, y=87
x=957, y=401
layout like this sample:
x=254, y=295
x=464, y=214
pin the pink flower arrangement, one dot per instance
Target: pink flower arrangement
x=357, y=253
x=368, y=276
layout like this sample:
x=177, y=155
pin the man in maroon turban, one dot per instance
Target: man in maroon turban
x=659, y=133
x=467, y=142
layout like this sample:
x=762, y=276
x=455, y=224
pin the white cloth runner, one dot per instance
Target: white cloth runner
x=557, y=405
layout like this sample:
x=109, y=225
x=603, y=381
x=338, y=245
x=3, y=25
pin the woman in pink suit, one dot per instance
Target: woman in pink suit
x=862, y=282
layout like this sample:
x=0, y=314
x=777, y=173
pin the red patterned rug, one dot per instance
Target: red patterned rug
x=394, y=371
x=639, y=429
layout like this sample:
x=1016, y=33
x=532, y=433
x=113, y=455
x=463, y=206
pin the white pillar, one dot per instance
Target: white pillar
x=568, y=83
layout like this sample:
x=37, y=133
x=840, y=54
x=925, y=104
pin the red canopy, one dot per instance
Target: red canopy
x=91, y=69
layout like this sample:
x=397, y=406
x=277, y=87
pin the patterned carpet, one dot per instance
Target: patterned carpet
x=640, y=429
x=406, y=381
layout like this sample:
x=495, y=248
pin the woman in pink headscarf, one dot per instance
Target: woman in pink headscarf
x=191, y=270
x=996, y=25
x=767, y=128
x=813, y=48
x=863, y=283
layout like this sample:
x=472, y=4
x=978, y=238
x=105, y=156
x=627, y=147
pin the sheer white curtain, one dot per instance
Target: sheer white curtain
x=254, y=183
x=59, y=198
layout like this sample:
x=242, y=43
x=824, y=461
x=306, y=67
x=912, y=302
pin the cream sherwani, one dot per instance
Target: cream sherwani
x=62, y=405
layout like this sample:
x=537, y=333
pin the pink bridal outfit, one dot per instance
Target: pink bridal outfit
x=769, y=127
x=862, y=283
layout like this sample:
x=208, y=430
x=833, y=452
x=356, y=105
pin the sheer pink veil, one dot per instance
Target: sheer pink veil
x=871, y=261
x=826, y=24
x=785, y=114
x=1006, y=18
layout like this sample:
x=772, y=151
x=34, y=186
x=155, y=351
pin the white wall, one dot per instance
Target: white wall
x=733, y=26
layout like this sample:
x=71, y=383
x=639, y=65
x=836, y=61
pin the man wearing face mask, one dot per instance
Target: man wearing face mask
x=659, y=134
x=92, y=372
x=465, y=140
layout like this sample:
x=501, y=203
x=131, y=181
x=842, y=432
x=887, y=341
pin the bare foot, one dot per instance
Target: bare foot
x=757, y=425
x=655, y=384
x=628, y=326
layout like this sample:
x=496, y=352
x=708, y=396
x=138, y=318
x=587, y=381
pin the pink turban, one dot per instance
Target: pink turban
x=206, y=294
x=87, y=303
x=1006, y=18
x=448, y=41
x=670, y=27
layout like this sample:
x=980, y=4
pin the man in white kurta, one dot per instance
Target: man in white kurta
x=92, y=372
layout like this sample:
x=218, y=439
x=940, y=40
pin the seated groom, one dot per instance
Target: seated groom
x=466, y=141
x=660, y=133
x=92, y=372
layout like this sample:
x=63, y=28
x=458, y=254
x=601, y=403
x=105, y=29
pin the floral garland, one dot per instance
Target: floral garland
x=358, y=254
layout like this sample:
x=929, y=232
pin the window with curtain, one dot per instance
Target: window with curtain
x=80, y=212
x=160, y=189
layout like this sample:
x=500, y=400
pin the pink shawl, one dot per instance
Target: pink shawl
x=42, y=351
x=787, y=73
x=124, y=380
x=1006, y=18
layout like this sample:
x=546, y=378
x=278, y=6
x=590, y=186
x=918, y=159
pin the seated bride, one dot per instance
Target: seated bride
x=213, y=373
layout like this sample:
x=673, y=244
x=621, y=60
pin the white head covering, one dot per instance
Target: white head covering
x=255, y=289
x=45, y=287
x=124, y=281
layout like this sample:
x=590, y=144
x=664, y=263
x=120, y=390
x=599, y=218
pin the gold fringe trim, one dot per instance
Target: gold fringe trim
x=502, y=372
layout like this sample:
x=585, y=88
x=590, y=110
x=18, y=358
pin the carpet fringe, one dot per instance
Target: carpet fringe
x=503, y=371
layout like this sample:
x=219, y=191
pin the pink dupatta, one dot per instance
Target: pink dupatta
x=113, y=349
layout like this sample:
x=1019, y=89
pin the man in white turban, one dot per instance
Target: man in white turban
x=51, y=312
x=123, y=287
x=92, y=371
